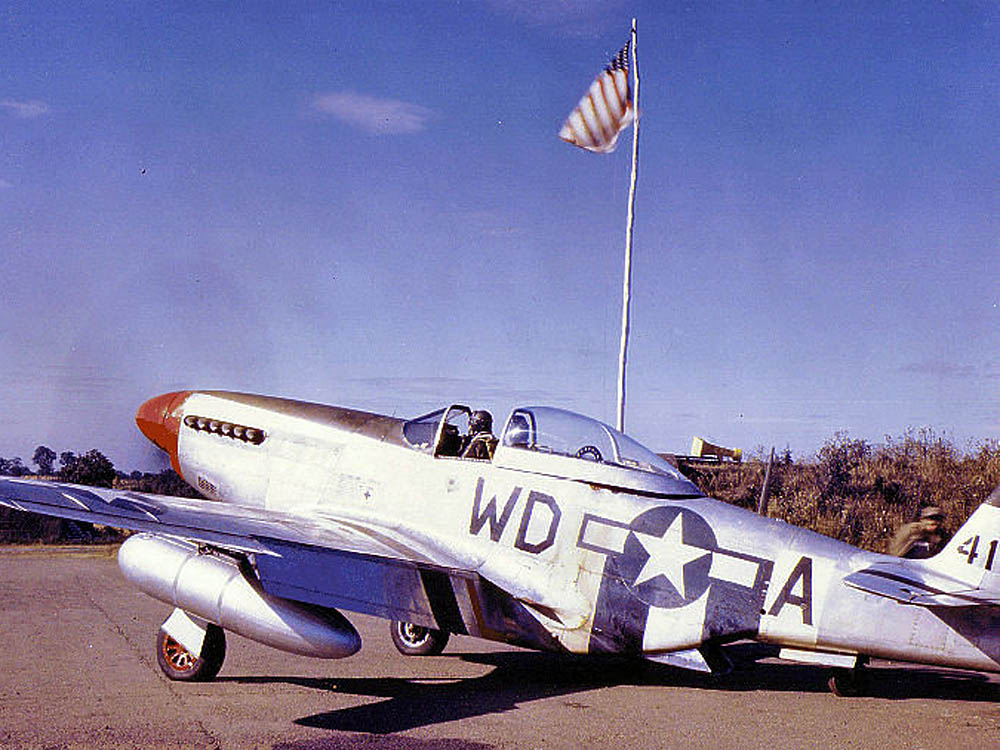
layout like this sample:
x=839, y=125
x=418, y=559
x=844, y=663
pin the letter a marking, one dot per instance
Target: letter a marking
x=803, y=571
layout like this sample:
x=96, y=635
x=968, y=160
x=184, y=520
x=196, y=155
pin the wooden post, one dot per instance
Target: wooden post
x=766, y=489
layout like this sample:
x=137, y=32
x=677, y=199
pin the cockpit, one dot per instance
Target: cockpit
x=554, y=442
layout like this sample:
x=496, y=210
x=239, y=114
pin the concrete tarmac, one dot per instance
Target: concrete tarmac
x=78, y=669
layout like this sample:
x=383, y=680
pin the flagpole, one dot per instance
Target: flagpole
x=627, y=283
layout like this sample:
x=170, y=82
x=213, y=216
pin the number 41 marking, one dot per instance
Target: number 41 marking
x=969, y=547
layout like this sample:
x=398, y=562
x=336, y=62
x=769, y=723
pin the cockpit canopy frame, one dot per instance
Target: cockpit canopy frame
x=559, y=443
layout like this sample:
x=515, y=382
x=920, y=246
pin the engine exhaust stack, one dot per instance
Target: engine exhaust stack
x=215, y=589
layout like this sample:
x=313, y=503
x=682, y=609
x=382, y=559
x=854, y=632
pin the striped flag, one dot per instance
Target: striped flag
x=604, y=111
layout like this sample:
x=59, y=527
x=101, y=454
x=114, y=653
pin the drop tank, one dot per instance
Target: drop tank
x=215, y=588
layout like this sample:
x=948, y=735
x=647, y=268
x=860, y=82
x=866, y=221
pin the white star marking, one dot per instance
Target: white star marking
x=668, y=555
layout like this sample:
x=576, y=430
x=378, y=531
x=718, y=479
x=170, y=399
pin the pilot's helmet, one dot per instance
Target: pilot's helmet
x=480, y=421
x=517, y=432
x=932, y=513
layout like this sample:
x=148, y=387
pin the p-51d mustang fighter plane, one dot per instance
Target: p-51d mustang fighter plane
x=566, y=535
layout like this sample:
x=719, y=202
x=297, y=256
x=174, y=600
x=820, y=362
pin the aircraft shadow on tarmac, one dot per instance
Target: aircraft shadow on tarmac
x=522, y=676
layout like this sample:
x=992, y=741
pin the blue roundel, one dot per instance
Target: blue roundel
x=667, y=557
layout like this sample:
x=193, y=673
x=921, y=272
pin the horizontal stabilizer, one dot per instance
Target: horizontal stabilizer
x=909, y=582
x=965, y=573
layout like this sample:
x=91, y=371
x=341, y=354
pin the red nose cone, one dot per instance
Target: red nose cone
x=160, y=420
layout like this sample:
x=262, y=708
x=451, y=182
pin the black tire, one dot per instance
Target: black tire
x=178, y=663
x=415, y=640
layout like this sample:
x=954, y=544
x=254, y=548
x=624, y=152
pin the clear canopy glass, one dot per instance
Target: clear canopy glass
x=549, y=430
x=554, y=442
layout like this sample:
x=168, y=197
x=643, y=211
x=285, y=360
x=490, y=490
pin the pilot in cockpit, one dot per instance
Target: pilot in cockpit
x=480, y=442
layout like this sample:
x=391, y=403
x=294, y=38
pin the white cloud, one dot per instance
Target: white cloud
x=25, y=110
x=372, y=114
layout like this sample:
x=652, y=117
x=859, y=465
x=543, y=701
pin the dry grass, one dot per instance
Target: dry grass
x=861, y=493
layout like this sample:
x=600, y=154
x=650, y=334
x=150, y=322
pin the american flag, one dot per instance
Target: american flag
x=604, y=111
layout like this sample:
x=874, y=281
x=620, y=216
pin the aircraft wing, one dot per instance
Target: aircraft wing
x=334, y=562
x=246, y=529
x=909, y=582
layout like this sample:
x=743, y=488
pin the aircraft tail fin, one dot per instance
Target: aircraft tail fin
x=972, y=555
x=965, y=573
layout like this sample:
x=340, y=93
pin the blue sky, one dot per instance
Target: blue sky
x=366, y=204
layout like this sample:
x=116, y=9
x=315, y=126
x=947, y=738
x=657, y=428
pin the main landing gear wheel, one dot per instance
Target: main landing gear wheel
x=178, y=663
x=415, y=640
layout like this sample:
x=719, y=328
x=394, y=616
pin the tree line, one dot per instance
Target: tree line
x=92, y=468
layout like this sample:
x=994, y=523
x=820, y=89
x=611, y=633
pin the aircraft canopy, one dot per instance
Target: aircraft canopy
x=556, y=442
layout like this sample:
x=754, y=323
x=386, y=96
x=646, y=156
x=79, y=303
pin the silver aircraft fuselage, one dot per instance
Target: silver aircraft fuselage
x=599, y=556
